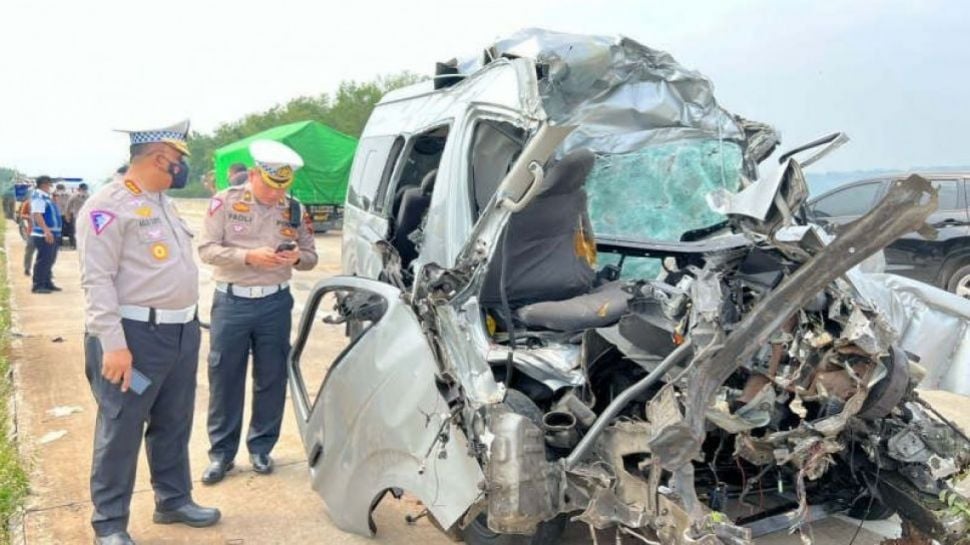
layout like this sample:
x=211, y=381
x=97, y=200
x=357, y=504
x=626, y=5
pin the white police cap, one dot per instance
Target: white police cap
x=277, y=162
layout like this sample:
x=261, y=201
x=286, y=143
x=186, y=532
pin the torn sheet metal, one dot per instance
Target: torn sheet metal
x=919, y=313
x=623, y=94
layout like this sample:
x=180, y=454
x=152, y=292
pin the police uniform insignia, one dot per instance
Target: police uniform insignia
x=286, y=214
x=288, y=232
x=240, y=207
x=100, y=220
x=214, y=205
x=132, y=187
x=238, y=228
x=247, y=196
x=144, y=211
x=159, y=251
x=308, y=222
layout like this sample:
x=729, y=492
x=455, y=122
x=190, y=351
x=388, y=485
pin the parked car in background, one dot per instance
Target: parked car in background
x=943, y=261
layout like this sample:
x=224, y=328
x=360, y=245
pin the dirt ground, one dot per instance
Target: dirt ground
x=55, y=422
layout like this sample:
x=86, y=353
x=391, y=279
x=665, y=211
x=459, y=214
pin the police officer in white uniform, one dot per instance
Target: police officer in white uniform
x=254, y=236
x=141, y=291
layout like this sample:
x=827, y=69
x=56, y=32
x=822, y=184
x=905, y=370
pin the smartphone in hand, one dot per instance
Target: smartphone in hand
x=287, y=246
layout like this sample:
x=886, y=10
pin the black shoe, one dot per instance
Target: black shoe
x=52, y=287
x=119, y=538
x=262, y=463
x=41, y=290
x=216, y=472
x=189, y=514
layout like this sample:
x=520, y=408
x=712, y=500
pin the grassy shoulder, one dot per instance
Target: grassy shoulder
x=13, y=478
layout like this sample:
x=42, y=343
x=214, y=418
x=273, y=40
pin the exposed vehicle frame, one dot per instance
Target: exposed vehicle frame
x=756, y=362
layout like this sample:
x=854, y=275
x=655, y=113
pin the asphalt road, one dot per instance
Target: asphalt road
x=55, y=422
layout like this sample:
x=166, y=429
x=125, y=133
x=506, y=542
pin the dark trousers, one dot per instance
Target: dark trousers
x=46, y=255
x=68, y=232
x=239, y=326
x=169, y=356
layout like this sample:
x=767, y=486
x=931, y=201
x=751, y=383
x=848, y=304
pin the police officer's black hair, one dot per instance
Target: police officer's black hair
x=41, y=180
x=83, y=186
x=236, y=168
x=123, y=169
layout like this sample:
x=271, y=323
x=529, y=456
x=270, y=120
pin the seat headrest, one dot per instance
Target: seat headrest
x=569, y=173
x=427, y=183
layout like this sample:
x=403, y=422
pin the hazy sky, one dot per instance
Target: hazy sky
x=894, y=75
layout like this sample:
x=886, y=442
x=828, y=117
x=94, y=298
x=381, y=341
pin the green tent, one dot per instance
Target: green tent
x=327, y=155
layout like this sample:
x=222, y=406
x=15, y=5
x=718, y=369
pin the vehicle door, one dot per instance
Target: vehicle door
x=364, y=220
x=922, y=258
x=362, y=378
x=846, y=204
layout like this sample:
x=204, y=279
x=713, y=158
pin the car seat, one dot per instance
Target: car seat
x=415, y=201
x=549, y=277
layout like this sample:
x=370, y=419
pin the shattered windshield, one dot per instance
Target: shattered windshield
x=659, y=193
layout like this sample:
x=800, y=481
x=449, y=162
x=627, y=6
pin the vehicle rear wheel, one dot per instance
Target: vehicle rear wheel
x=959, y=282
x=477, y=533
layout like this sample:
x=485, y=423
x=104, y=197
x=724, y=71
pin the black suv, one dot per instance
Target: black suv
x=943, y=262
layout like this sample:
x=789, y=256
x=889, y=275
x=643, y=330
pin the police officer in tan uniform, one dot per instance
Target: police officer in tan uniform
x=140, y=283
x=254, y=236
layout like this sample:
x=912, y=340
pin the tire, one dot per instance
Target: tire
x=861, y=510
x=959, y=282
x=548, y=533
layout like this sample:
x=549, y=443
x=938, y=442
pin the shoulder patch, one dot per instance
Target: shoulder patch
x=214, y=205
x=100, y=220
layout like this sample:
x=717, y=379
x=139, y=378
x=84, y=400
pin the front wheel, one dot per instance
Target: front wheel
x=959, y=282
x=547, y=533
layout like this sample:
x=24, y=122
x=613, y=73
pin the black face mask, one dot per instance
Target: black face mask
x=180, y=174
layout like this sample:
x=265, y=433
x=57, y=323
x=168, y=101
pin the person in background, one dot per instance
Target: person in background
x=238, y=174
x=28, y=228
x=74, y=205
x=46, y=219
x=254, y=236
x=60, y=197
x=141, y=343
x=209, y=182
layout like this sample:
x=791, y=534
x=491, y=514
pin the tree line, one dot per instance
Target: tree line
x=346, y=110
